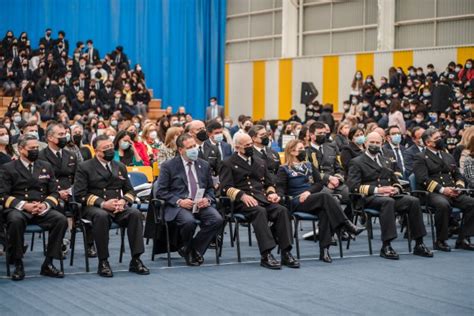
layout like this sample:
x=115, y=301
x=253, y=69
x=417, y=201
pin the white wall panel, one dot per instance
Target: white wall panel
x=382, y=62
x=240, y=89
x=271, y=89
x=347, y=69
x=438, y=57
x=307, y=69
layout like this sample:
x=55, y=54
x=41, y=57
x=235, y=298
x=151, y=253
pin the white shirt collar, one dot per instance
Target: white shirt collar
x=25, y=163
x=56, y=151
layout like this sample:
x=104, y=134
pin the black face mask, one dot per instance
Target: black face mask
x=62, y=141
x=32, y=154
x=132, y=135
x=301, y=155
x=77, y=139
x=373, y=149
x=320, y=139
x=201, y=135
x=109, y=154
x=248, y=151
x=265, y=141
x=247, y=128
x=439, y=144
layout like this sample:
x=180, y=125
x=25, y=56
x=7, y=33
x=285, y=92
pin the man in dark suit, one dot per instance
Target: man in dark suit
x=436, y=172
x=120, y=58
x=62, y=40
x=64, y=165
x=214, y=110
x=260, y=140
x=207, y=151
x=23, y=73
x=179, y=181
x=324, y=156
x=104, y=189
x=92, y=52
x=394, y=151
x=29, y=194
x=47, y=41
x=216, y=138
x=245, y=179
x=370, y=174
x=416, y=148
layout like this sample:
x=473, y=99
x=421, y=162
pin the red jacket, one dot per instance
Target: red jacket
x=469, y=74
x=141, y=149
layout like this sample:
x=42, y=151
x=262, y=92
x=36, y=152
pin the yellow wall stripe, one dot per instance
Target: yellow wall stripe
x=258, y=112
x=365, y=63
x=403, y=59
x=464, y=53
x=331, y=81
x=226, y=90
x=285, y=77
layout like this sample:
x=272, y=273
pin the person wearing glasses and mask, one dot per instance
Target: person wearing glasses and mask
x=262, y=150
x=104, y=189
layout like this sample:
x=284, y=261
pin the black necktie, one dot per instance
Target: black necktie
x=201, y=153
x=263, y=153
x=399, y=159
x=30, y=168
x=58, y=154
x=108, y=168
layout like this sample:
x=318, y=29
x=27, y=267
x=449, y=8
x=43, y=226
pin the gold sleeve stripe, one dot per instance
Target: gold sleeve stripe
x=460, y=183
x=9, y=201
x=53, y=200
x=270, y=189
x=130, y=196
x=232, y=193
x=91, y=200
x=398, y=174
x=364, y=189
x=432, y=186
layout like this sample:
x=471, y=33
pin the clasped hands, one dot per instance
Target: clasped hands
x=35, y=207
x=188, y=203
x=388, y=190
x=114, y=205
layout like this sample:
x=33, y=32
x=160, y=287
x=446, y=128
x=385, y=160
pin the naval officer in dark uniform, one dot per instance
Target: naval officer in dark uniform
x=29, y=194
x=103, y=187
x=436, y=171
x=370, y=174
x=245, y=179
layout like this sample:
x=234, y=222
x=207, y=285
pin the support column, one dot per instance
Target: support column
x=386, y=25
x=289, y=30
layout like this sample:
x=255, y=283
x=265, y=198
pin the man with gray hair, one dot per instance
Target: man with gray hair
x=29, y=194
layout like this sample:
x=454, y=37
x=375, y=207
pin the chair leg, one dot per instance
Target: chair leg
x=7, y=254
x=32, y=241
x=297, y=242
x=369, y=233
x=84, y=238
x=314, y=232
x=237, y=236
x=168, y=248
x=122, y=243
x=356, y=217
x=61, y=264
x=73, y=245
x=433, y=237
x=217, y=249
x=44, y=242
x=147, y=241
x=250, y=235
x=339, y=241
x=408, y=233
x=231, y=234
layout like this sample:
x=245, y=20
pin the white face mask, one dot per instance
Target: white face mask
x=153, y=134
x=4, y=140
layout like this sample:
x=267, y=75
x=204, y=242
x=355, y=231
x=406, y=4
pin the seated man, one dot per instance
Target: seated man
x=261, y=150
x=245, y=179
x=370, y=174
x=393, y=151
x=103, y=187
x=417, y=147
x=436, y=172
x=324, y=156
x=30, y=195
x=179, y=181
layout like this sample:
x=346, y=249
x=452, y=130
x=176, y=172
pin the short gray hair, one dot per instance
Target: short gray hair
x=24, y=139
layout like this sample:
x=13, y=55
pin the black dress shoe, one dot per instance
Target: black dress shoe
x=353, y=229
x=464, y=244
x=324, y=255
x=422, y=250
x=442, y=246
x=48, y=269
x=387, y=252
x=197, y=256
x=288, y=260
x=91, y=252
x=137, y=266
x=104, y=269
x=188, y=255
x=19, y=273
x=269, y=262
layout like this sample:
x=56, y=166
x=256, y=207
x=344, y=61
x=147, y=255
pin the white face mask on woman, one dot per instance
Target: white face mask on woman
x=4, y=140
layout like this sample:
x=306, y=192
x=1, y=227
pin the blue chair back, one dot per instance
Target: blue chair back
x=137, y=178
x=412, y=181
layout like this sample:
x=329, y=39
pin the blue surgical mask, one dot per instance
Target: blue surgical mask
x=68, y=137
x=227, y=125
x=396, y=139
x=192, y=153
x=114, y=123
x=218, y=138
x=125, y=145
x=17, y=119
x=359, y=140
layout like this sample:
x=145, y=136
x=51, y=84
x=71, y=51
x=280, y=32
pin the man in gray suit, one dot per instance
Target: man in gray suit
x=179, y=181
x=214, y=110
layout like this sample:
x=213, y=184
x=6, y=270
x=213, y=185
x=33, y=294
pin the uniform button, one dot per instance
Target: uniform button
x=26, y=195
x=251, y=187
x=104, y=189
x=105, y=197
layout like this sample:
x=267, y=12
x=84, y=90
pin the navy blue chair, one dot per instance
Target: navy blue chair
x=138, y=179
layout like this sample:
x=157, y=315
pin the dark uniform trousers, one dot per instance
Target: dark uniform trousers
x=443, y=207
x=211, y=222
x=329, y=213
x=402, y=204
x=260, y=216
x=130, y=218
x=53, y=221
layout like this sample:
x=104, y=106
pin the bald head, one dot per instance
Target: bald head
x=195, y=126
x=197, y=129
x=241, y=139
x=380, y=131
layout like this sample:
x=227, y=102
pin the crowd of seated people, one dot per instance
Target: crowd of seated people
x=417, y=125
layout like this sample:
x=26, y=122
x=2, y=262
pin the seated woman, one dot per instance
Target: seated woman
x=299, y=179
x=354, y=148
x=468, y=164
x=6, y=149
x=138, y=146
x=168, y=149
x=151, y=141
x=125, y=151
